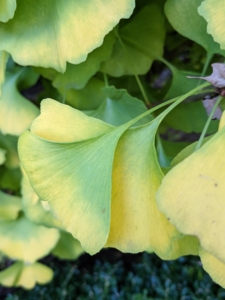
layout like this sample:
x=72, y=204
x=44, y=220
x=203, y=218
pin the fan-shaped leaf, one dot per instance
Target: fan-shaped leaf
x=24, y=240
x=180, y=12
x=145, y=31
x=25, y=275
x=49, y=33
x=192, y=195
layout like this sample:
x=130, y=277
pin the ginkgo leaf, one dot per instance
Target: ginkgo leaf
x=77, y=76
x=213, y=266
x=7, y=10
x=67, y=247
x=16, y=112
x=2, y=156
x=145, y=31
x=212, y=11
x=3, y=60
x=9, y=144
x=119, y=107
x=25, y=275
x=9, y=206
x=35, y=209
x=89, y=190
x=88, y=98
x=192, y=195
x=23, y=240
x=79, y=138
x=50, y=33
x=180, y=12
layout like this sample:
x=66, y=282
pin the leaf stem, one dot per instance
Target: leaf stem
x=144, y=95
x=106, y=79
x=207, y=124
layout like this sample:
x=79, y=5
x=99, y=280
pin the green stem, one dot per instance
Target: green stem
x=147, y=102
x=207, y=123
x=175, y=102
x=142, y=90
x=208, y=58
x=106, y=79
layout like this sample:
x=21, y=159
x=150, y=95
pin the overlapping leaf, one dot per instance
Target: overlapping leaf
x=16, y=112
x=192, y=195
x=212, y=11
x=100, y=180
x=21, y=239
x=119, y=107
x=7, y=10
x=49, y=33
x=77, y=76
x=145, y=31
x=25, y=275
x=183, y=16
x=88, y=98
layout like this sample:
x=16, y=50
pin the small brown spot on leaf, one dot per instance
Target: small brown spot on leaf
x=215, y=184
x=103, y=211
x=213, y=221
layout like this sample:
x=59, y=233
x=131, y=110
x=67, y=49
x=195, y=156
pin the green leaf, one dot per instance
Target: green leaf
x=9, y=206
x=22, y=239
x=145, y=32
x=2, y=156
x=36, y=210
x=49, y=33
x=10, y=178
x=90, y=97
x=183, y=16
x=9, y=144
x=3, y=60
x=119, y=107
x=192, y=195
x=77, y=76
x=212, y=11
x=7, y=10
x=25, y=275
x=16, y=112
x=67, y=247
x=190, y=117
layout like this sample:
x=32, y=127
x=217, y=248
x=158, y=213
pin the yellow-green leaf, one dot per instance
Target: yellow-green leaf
x=49, y=33
x=25, y=275
x=22, y=239
x=192, y=195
